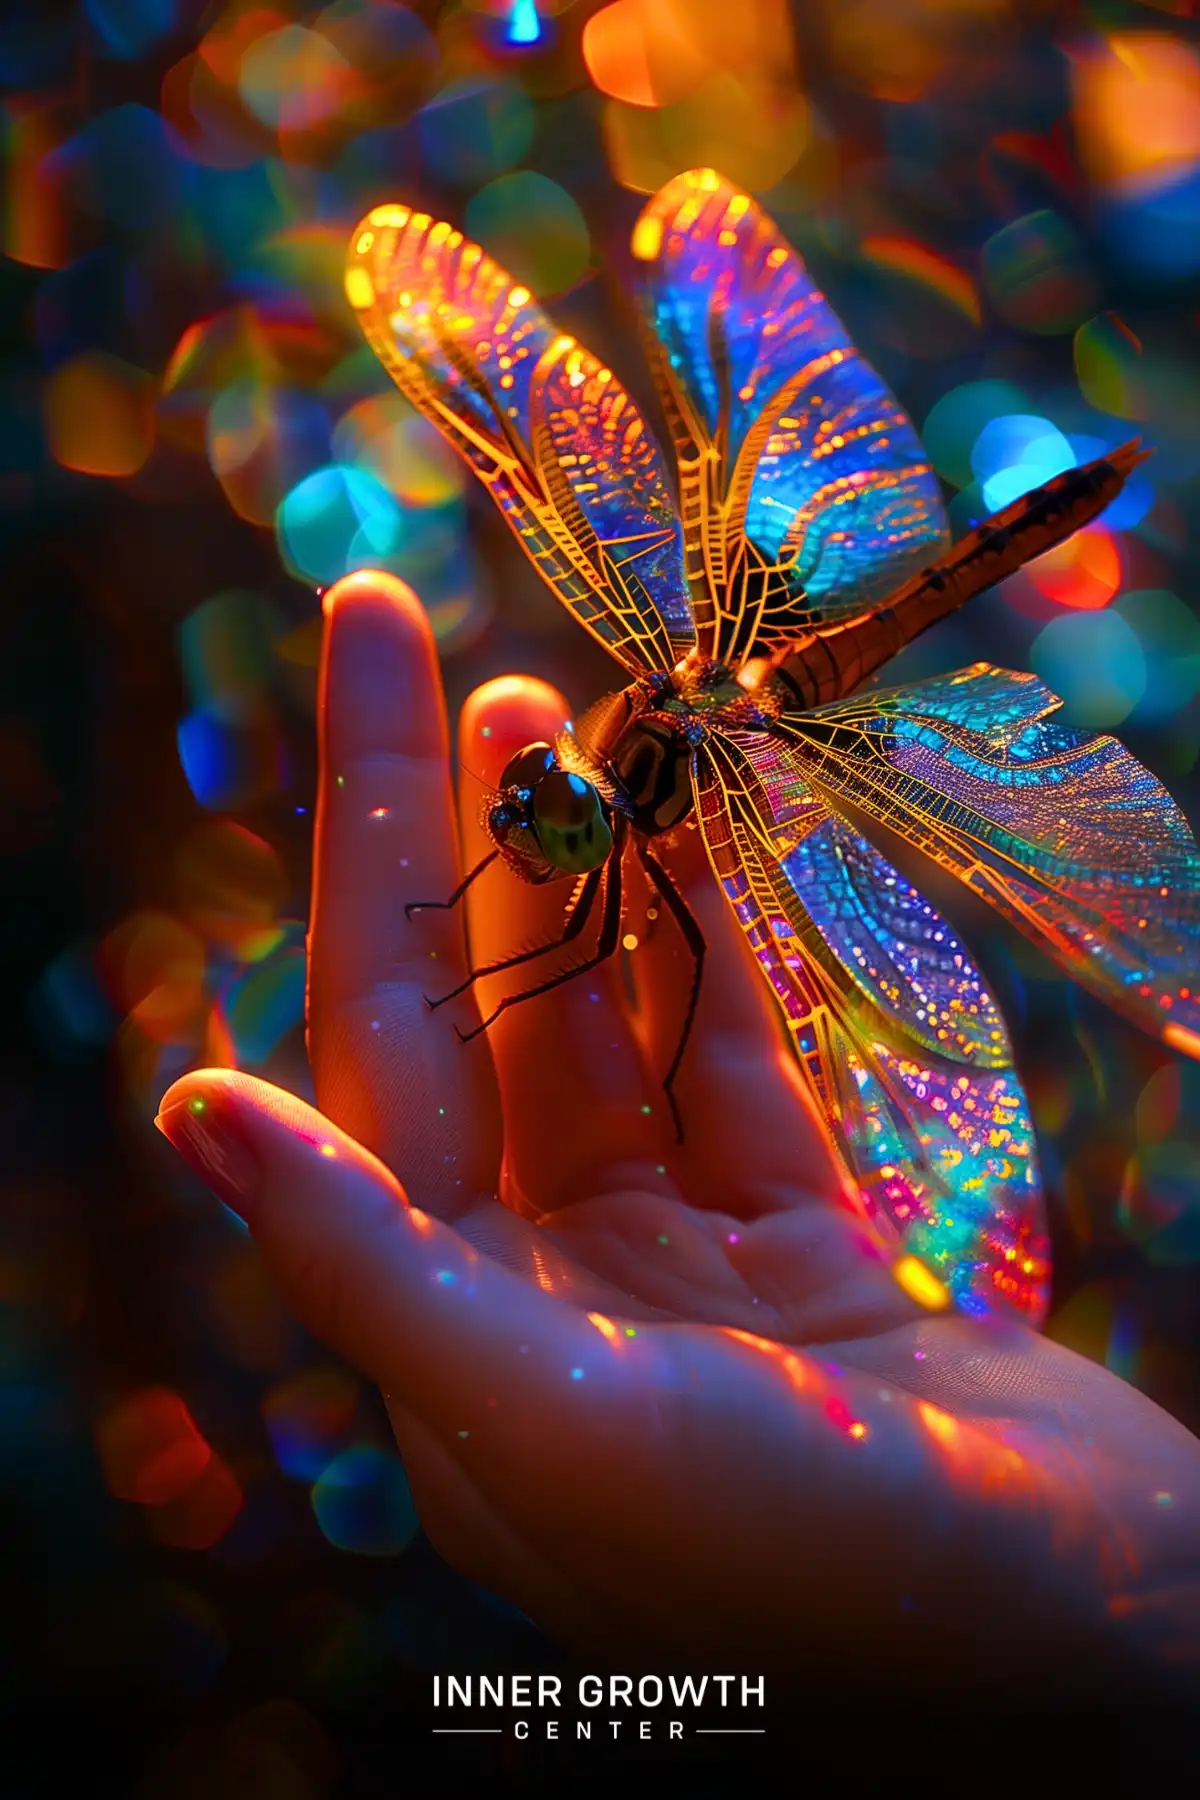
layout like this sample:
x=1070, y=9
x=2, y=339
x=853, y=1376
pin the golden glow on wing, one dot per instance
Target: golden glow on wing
x=469, y=347
x=360, y=289
x=647, y=238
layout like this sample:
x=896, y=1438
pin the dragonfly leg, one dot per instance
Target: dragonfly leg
x=447, y=905
x=606, y=943
x=694, y=938
x=577, y=917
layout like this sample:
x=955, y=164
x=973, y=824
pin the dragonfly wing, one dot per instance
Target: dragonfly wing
x=949, y=1155
x=606, y=464
x=464, y=342
x=860, y=913
x=933, y=1131
x=793, y=455
x=1060, y=830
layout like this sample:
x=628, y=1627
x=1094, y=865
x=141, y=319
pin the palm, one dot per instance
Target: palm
x=658, y=1394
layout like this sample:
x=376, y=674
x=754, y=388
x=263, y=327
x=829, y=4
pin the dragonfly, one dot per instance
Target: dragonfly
x=751, y=606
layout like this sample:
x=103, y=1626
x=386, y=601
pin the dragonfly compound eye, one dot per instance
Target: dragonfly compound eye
x=524, y=770
x=570, y=823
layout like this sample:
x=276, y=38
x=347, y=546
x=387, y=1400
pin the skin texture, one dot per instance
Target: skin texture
x=669, y=1401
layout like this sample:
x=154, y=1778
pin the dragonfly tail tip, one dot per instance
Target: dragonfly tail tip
x=1127, y=456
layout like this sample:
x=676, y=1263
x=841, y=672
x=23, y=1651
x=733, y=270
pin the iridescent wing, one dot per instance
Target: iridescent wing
x=805, y=492
x=831, y=661
x=893, y=1025
x=1060, y=830
x=604, y=469
x=550, y=432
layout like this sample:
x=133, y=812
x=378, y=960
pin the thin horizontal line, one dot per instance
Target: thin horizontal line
x=466, y=1731
x=731, y=1731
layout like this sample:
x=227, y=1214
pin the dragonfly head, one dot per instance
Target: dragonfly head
x=549, y=816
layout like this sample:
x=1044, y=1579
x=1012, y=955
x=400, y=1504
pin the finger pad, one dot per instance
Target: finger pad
x=503, y=716
x=381, y=686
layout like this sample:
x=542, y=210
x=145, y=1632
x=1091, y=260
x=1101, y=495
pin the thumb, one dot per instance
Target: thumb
x=440, y=1327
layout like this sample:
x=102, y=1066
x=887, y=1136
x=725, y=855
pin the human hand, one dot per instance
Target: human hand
x=668, y=1400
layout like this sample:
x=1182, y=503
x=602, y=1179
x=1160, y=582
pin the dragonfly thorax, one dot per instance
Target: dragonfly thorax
x=629, y=754
x=638, y=745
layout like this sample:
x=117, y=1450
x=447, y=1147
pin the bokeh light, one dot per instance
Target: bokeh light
x=199, y=1517
x=695, y=85
x=153, y=968
x=263, y=1003
x=128, y=168
x=1014, y=454
x=524, y=25
x=99, y=413
x=336, y=520
x=534, y=229
x=262, y=439
x=1094, y=662
x=1108, y=363
x=938, y=278
x=1158, y=1200
x=643, y=53
x=1083, y=573
x=384, y=436
x=150, y=1449
x=231, y=883
x=35, y=214
x=475, y=129
x=226, y=764
x=225, y=653
x=1137, y=115
x=128, y=28
x=956, y=421
x=293, y=78
x=1169, y=635
x=1137, y=106
x=1037, y=274
x=363, y=1504
x=309, y=1418
x=753, y=130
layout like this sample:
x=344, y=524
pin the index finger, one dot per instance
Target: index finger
x=385, y=1068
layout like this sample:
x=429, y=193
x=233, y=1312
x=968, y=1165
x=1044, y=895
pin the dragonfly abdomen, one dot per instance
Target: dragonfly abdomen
x=830, y=663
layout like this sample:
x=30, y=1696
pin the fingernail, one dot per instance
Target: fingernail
x=210, y=1141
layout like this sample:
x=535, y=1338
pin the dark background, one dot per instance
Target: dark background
x=213, y=1580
